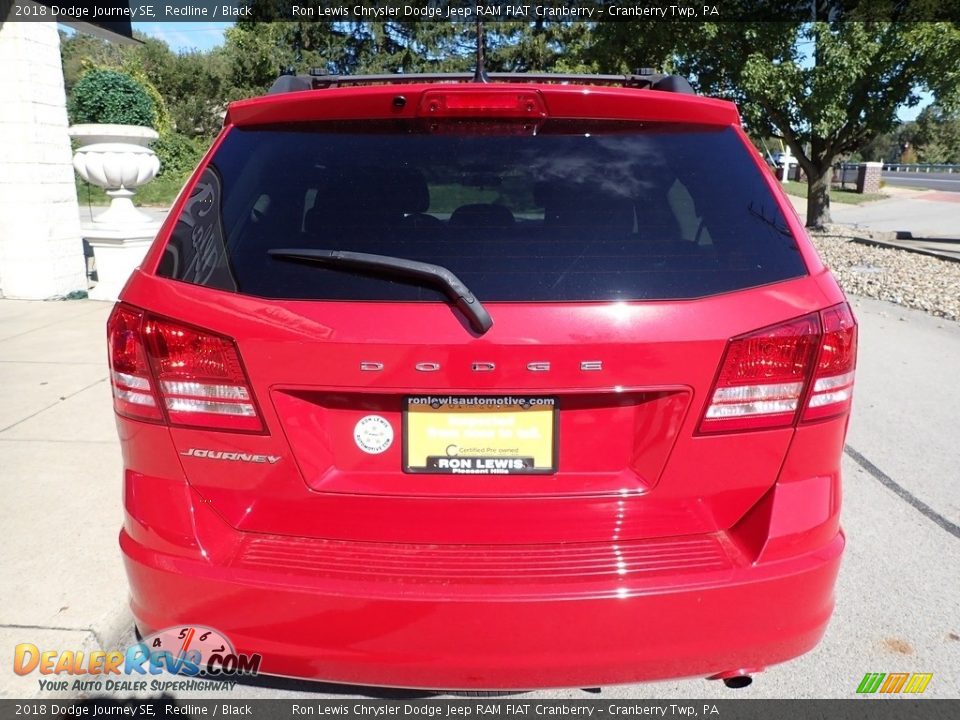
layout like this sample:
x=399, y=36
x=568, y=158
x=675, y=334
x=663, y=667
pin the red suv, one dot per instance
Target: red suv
x=439, y=384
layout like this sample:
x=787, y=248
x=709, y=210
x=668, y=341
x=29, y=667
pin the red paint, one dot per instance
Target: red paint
x=656, y=551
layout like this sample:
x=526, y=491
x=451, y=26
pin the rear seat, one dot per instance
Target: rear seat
x=384, y=211
x=482, y=215
x=369, y=200
x=579, y=211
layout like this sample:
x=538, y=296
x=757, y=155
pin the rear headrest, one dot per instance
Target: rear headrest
x=378, y=190
x=367, y=197
x=412, y=193
x=482, y=215
x=581, y=206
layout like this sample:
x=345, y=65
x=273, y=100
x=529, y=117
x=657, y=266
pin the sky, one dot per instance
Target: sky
x=183, y=36
x=905, y=113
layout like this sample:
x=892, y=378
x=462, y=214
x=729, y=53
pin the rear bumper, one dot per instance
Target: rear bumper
x=406, y=631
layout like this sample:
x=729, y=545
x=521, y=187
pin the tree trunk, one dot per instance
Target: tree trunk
x=818, y=196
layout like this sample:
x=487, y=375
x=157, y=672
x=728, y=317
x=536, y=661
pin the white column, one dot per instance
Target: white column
x=41, y=252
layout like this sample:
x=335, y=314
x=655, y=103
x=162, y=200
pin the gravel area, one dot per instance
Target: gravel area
x=910, y=279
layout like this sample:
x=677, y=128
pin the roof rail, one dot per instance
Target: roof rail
x=318, y=80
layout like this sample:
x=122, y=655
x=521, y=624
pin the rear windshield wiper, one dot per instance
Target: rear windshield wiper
x=437, y=275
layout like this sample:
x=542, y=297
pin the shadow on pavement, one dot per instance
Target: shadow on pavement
x=274, y=682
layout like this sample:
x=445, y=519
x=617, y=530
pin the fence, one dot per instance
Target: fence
x=846, y=174
x=920, y=168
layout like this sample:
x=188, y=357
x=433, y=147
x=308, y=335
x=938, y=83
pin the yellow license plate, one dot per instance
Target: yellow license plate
x=486, y=435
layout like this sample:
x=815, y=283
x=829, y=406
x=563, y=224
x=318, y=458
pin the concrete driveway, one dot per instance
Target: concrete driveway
x=898, y=599
x=920, y=213
x=928, y=214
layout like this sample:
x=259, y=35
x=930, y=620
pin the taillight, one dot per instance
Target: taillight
x=194, y=376
x=832, y=390
x=133, y=391
x=764, y=375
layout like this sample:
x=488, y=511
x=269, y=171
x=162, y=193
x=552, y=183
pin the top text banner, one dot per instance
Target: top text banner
x=492, y=11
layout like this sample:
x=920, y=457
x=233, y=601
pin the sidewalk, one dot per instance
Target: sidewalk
x=61, y=484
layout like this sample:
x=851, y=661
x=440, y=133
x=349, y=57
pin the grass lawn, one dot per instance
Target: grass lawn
x=850, y=197
x=160, y=192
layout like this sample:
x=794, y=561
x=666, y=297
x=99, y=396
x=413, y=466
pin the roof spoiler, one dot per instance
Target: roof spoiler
x=319, y=80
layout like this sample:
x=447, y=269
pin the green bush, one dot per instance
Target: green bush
x=162, y=123
x=109, y=96
x=178, y=154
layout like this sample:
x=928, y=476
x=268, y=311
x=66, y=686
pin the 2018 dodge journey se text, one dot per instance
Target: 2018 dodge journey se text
x=439, y=384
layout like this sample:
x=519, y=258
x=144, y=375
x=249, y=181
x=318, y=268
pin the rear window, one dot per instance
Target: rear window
x=579, y=211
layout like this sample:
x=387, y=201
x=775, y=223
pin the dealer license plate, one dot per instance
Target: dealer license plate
x=480, y=435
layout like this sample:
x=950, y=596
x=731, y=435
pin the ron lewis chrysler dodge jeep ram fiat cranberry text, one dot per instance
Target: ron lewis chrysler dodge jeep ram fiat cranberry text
x=439, y=384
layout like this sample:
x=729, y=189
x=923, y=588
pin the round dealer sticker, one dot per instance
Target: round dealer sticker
x=373, y=434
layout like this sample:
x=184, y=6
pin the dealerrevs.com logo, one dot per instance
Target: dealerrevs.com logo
x=193, y=653
x=894, y=683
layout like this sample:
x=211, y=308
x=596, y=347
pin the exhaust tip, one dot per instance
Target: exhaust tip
x=738, y=681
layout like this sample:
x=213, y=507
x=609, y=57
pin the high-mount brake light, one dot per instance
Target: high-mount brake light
x=188, y=376
x=764, y=375
x=473, y=103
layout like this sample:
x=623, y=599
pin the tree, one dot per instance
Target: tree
x=827, y=88
x=188, y=89
x=256, y=51
x=938, y=135
x=195, y=88
x=80, y=52
x=539, y=46
x=882, y=148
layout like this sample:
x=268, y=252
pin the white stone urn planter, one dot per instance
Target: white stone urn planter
x=117, y=158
